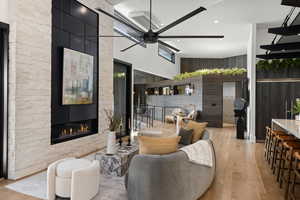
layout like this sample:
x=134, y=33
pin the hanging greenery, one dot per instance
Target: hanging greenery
x=277, y=65
x=217, y=71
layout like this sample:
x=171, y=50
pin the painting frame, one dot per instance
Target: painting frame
x=77, y=78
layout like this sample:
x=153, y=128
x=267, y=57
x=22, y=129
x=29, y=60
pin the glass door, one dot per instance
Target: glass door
x=122, y=94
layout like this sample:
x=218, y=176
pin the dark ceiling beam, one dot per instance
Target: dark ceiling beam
x=279, y=55
x=294, y=3
x=282, y=46
x=289, y=30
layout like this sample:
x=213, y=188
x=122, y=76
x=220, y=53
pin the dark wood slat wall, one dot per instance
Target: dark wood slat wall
x=1, y=97
x=193, y=64
x=213, y=101
x=271, y=98
x=213, y=97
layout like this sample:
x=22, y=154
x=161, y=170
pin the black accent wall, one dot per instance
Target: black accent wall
x=74, y=26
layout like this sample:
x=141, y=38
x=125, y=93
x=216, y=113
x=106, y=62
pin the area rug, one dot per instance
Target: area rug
x=111, y=188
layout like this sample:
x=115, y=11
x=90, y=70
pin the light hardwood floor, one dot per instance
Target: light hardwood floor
x=242, y=173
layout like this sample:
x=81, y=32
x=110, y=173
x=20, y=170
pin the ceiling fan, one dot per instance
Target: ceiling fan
x=151, y=37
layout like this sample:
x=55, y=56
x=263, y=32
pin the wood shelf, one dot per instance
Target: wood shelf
x=281, y=47
x=279, y=55
x=289, y=30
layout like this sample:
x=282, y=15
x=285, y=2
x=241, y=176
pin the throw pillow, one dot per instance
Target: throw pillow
x=198, y=129
x=158, y=146
x=186, y=136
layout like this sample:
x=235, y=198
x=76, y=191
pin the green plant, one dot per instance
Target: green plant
x=296, y=108
x=114, y=121
x=277, y=65
x=216, y=71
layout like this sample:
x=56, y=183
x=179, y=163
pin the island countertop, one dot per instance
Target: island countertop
x=289, y=125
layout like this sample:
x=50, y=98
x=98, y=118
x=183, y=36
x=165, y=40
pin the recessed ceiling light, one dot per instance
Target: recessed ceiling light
x=216, y=21
x=178, y=40
x=162, y=24
x=83, y=10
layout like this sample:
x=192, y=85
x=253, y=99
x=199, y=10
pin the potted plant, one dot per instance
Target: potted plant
x=114, y=123
x=296, y=109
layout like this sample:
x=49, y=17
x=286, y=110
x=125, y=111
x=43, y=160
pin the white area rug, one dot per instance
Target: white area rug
x=111, y=188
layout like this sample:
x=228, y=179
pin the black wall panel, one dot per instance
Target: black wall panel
x=272, y=98
x=74, y=26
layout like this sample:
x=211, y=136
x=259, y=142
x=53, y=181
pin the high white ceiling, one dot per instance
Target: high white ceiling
x=234, y=17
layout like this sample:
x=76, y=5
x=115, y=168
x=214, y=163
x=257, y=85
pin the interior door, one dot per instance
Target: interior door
x=122, y=94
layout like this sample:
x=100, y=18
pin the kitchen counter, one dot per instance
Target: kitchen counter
x=290, y=126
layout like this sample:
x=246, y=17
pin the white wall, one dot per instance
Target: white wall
x=4, y=11
x=251, y=68
x=263, y=37
x=146, y=59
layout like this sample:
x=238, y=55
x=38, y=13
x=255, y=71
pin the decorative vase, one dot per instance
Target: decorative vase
x=111, y=143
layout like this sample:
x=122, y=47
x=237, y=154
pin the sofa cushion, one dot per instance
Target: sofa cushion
x=65, y=168
x=198, y=129
x=158, y=146
x=186, y=136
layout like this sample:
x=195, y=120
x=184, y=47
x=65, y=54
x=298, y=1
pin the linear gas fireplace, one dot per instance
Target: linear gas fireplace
x=75, y=71
x=73, y=130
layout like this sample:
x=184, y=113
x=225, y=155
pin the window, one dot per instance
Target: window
x=166, y=53
x=127, y=31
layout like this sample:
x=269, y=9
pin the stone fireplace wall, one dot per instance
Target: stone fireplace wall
x=30, y=149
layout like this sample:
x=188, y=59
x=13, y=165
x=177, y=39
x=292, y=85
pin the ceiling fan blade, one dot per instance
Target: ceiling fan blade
x=190, y=36
x=119, y=20
x=167, y=45
x=131, y=46
x=105, y=36
x=195, y=12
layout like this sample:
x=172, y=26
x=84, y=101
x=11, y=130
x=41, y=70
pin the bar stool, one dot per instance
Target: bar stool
x=296, y=175
x=271, y=145
x=287, y=149
x=288, y=162
x=267, y=142
x=278, y=141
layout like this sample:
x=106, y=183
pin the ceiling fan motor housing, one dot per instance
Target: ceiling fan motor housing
x=150, y=37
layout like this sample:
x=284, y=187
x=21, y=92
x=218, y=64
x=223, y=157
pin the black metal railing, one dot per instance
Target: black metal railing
x=148, y=115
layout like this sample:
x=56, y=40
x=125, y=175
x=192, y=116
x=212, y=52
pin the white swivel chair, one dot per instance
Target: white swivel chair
x=77, y=179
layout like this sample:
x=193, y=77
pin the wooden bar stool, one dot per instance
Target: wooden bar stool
x=287, y=149
x=296, y=176
x=278, y=141
x=267, y=142
x=271, y=145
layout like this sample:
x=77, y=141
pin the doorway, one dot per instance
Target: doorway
x=3, y=98
x=229, y=95
x=123, y=94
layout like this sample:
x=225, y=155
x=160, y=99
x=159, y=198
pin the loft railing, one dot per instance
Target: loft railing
x=147, y=116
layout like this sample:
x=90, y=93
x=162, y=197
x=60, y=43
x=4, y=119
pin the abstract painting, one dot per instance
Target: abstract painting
x=77, y=78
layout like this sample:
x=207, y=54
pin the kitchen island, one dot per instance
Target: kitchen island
x=288, y=125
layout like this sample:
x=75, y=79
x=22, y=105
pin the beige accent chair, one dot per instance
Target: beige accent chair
x=73, y=178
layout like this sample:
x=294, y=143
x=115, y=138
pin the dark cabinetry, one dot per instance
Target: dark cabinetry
x=273, y=99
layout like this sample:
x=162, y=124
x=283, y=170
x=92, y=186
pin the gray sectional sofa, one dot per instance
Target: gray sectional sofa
x=168, y=177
